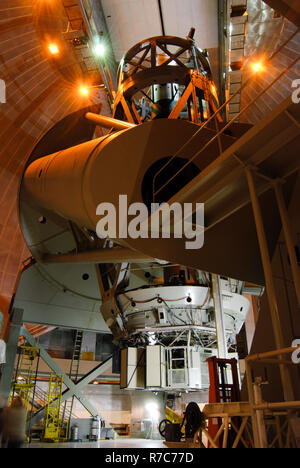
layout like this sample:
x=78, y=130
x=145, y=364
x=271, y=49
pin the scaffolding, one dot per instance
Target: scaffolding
x=52, y=418
x=255, y=423
x=25, y=376
x=283, y=415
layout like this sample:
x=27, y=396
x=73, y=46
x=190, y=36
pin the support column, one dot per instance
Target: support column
x=15, y=326
x=219, y=317
x=262, y=434
x=72, y=387
x=256, y=439
x=289, y=237
x=270, y=287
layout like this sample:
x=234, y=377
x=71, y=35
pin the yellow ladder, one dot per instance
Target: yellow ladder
x=52, y=419
x=25, y=375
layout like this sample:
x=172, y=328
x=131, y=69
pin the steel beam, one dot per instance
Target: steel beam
x=219, y=317
x=72, y=387
x=258, y=399
x=115, y=255
x=289, y=9
x=289, y=238
x=108, y=122
x=75, y=390
x=270, y=286
x=92, y=375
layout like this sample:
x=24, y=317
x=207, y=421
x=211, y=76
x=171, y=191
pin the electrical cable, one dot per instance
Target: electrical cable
x=142, y=355
x=161, y=18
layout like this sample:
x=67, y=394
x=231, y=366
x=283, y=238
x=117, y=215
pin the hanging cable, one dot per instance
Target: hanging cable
x=161, y=18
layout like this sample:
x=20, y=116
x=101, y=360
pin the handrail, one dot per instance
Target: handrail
x=269, y=354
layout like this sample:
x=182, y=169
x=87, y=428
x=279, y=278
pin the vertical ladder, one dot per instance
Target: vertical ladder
x=73, y=374
x=76, y=356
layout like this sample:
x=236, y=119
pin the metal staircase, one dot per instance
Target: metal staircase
x=25, y=377
x=53, y=418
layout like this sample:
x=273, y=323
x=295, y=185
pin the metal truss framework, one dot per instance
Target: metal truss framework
x=74, y=389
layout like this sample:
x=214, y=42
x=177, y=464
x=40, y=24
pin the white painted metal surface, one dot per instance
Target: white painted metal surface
x=175, y=297
x=131, y=21
x=180, y=16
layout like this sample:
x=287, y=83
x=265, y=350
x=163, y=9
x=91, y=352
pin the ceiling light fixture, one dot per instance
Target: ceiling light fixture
x=257, y=67
x=100, y=49
x=54, y=50
x=84, y=91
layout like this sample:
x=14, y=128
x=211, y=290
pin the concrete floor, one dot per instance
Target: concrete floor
x=108, y=444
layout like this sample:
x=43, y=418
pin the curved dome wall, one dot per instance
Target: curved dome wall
x=37, y=97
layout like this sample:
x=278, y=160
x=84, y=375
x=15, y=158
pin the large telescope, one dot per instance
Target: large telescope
x=164, y=114
x=167, y=148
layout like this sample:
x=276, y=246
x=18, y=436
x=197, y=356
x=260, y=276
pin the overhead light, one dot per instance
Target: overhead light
x=257, y=67
x=100, y=49
x=153, y=410
x=151, y=406
x=84, y=91
x=53, y=49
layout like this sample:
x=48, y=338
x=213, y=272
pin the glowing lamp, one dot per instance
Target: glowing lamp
x=54, y=50
x=84, y=91
x=100, y=49
x=257, y=67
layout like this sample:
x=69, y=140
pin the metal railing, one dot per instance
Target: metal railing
x=259, y=406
